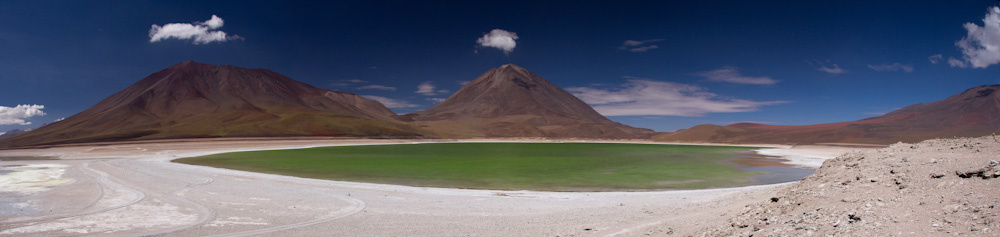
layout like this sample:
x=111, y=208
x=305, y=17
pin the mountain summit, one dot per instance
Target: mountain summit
x=510, y=101
x=194, y=99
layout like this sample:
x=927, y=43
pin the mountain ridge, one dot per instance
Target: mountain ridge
x=192, y=99
x=971, y=113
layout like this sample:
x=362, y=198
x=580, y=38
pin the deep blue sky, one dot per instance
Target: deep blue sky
x=68, y=55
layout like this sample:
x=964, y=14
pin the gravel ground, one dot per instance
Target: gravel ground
x=932, y=188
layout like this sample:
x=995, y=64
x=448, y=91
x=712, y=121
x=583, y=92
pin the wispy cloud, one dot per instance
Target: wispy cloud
x=733, y=75
x=981, y=47
x=18, y=114
x=880, y=111
x=428, y=89
x=377, y=87
x=437, y=100
x=935, y=59
x=360, y=85
x=894, y=67
x=501, y=39
x=390, y=102
x=954, y=62
x=639, y=45
x=641, y=96
x=835, y=69
x=201, y=32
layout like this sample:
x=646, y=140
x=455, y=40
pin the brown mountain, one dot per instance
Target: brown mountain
x=509, y=101
x=974, y=112
x=193, y=99
x=13, y=133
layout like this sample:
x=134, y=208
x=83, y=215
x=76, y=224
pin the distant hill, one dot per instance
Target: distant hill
x=193, y=99
x=13, y=133
x=510, y=101
x=974, y=112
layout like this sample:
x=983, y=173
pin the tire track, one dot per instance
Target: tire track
x=104, y=182
x=353, y=206
x=207, y=214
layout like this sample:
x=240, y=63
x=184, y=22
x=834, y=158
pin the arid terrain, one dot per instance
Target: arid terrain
x=133, y=189
x=937, y=187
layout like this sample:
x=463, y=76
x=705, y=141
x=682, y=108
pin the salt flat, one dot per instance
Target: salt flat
x=133, y=189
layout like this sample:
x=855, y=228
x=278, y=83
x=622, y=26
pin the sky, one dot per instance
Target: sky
x=663, y=65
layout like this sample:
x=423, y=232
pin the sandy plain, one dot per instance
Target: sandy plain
x=130, y=189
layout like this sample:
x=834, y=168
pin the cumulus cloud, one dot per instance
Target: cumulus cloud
x=390, y=102
x=428, y=89
x=639, y=45
x=895, y=67
x=201, y=32
x=935, y=58
x=832, y=70
x=641, y=96
x=377, y=87
x=981, y=47
x=732, y=75
x=18, y=114
x=501, y=39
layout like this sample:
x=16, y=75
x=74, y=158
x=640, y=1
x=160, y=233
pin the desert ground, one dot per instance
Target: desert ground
x=129, y=189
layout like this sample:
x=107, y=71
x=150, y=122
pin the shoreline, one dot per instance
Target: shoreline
x=206, y=201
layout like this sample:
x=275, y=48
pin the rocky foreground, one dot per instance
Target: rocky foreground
x=932, y=188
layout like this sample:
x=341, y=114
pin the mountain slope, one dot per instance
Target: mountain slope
x=193, y=99
x=974, y=112
x=509, y=101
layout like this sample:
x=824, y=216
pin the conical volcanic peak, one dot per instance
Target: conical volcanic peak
x=971, y=113
x=511, y=101
x=194, y=99
x=511, y=90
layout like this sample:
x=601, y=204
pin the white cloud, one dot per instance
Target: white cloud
x=954, y=62
x=935, y=58
x=428, y=89
x=981, y=47
x=639, y=45
x=832, y=70
x=59, y=119
x=17, y=114
x=501, y=39
x=895, y=67
x=201, y=32
x=732, y=75
x=642, y=96
x=437, y=100
x=390, y=102
x=377, y=87
x=463, y=82
x=2, y=133
x=347, y=82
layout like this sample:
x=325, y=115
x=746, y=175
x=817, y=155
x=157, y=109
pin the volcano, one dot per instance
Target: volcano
x=193, y=99
x=510, y=101
x=974, y=112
